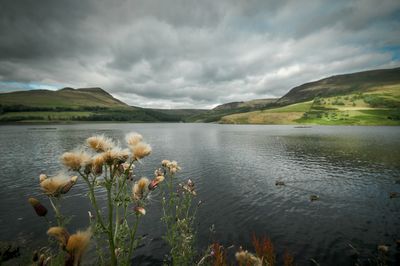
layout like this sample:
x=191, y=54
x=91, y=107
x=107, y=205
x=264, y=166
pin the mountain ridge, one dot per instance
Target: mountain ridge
x=366, y=89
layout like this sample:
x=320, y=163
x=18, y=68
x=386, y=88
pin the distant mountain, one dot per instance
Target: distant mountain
x=341, y=84
x=63, y=98
x=83, y=104
x=215, y=114
x=256, y=104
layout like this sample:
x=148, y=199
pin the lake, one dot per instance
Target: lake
x=234, y=167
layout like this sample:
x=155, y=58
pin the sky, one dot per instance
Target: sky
x=192, y=54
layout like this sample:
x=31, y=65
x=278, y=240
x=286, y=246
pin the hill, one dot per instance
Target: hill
x=341, y=85
x=83, y=104
x=377, y=105
x=66, y=97
x=215, y=114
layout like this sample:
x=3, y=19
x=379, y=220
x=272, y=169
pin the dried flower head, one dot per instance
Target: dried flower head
x=57, y=185
x=160, y=178
x=165, y=163
x=140, y=150
x=133, y=138
x=69, y=185
x=140, y=188
x=77, y=245
x=159, y=172
x=189, y=187
x=42, y=177
x=116, y=155
x=246, y=258
x=97, y=164
x=38, y=207
x=140, y=210
x=172, y=166
x=100, y=143
x=75, y=160
x=60, y=234
x=127, y=166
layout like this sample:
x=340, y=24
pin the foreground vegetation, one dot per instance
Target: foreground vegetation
x=107, y=168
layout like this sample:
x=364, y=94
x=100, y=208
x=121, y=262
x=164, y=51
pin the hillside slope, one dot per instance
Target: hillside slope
x=66, y=97
x=379, y=105
x=84, y=104
x=222, y=110
x=341, y=85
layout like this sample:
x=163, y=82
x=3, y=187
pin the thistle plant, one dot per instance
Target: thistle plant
x=178, y=216
x=103, y=166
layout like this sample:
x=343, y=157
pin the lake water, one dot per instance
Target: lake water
x=235, y=167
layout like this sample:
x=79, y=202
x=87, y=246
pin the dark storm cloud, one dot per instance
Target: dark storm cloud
x=184, y=53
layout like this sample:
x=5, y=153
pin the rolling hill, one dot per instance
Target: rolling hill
x=84, y=104
x=341, y=85
x=215, y=114
x=364, y=98
x=66, y=97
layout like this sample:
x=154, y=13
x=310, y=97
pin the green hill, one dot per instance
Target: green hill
x=66, y=97
x=84, y=104
x=215, y=114
x=341, y=85
x=364, y=98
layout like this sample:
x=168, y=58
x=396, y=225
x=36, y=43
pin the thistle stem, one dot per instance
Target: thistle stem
x=57, y=212
x=110, y=226
x=132, y=237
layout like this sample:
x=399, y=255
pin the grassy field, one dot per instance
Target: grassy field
x=378, y=106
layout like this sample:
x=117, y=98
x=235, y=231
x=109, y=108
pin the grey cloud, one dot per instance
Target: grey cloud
x=183, y=53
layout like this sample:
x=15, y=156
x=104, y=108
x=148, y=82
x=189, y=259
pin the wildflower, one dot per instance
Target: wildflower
x=38, y=207
x=42, y=177
x=139, y=210
x=115, y=155
x=60, y=234
x=127, y=169
x=69, y=185
x=172, y=166
x=97, y=164
x=246, y=258
x=133, y=138
x=77, y=245
x=154, y=183
x=159, y=172
x=165, y=163
x=75, y=160
x=140, y=188
x=189, y=187
x=140, y=150
x=100, y=143
x=57, y=185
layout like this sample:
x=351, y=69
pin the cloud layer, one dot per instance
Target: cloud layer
x=181, y=53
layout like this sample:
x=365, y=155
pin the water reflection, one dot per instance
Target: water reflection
x=235, y=168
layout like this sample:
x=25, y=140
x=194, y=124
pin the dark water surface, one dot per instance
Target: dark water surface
x=351, y=169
